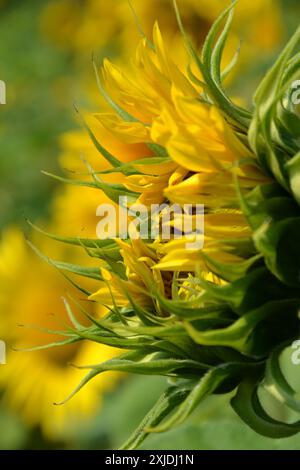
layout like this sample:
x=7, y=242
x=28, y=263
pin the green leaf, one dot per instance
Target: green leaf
x=293, y=168
x=171, y=398
x=130, y=168
x=107, y=155
x=231, y=272
x=238, y=333
x=205, y=387
x=93, y=273
x=139, y=26
x=145, y=363
x=107, y=246
x=267, y=96
x=188, y=311
x=216, y=56
x=279, y=243
x=276, y=382
x=112, y=191
x=240, y=117
x=246, y=404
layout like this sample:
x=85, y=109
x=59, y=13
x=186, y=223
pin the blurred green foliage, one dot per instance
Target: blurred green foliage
x=38, y=109
x=213, y=426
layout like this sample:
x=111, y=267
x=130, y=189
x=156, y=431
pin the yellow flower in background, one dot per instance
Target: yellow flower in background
x=100, y=27
x=76, y=24
x=74, y=212
x=38, y=302
x=93, y=24
x=31, y=299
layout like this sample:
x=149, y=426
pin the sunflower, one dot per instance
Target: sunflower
x=185, y=128
x=217, y=319
x=199, y=153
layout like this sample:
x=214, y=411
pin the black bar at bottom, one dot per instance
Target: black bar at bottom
x=145, y=459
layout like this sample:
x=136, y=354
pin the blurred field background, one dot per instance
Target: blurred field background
x=45, y=56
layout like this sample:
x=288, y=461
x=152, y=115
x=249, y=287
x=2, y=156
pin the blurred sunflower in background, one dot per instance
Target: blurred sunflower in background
x=74, y=27
x=75, y=24
x=33, y=381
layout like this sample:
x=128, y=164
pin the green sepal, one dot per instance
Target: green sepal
x=246, y=404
